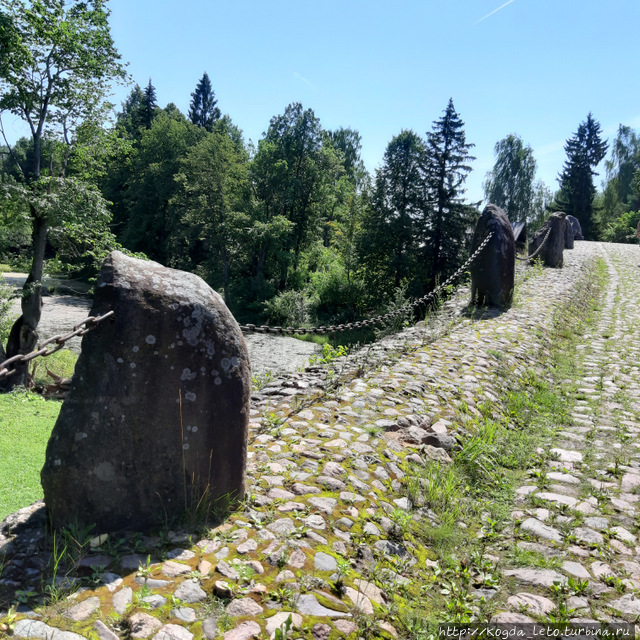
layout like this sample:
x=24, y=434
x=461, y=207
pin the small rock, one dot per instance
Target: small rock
x=244, y=607
x=142, y=625
x=246, y=631
x=83, y=610
x=324, y=562
x=190, y=592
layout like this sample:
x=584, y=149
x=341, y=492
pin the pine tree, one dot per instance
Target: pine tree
x=149, y=105
x=203, y=110
x=447, y=218
x=585, y=150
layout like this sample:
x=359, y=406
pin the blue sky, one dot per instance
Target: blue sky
x=531, y=67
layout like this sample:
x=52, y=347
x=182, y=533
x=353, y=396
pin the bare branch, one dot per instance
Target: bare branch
x=11, y=153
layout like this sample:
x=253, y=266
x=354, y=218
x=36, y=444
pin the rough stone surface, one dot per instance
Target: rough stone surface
x=577, y=229
x=493, y=272
x=142, y=625
x=118, y=447
x=551, y=253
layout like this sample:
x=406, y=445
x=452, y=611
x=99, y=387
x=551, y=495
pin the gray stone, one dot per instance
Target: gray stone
x=129, y=471
x=628, y=604
x=324, y=562
x=247, y=546
x=142, y=625
x=282, y=527
x=576, y=569
x=190, y=592
x=588, y=536
x=210, y=628
x=493, y=270
x=155, y=601
x=308, y=605
x=104, y=633
x=227, y=570
x=326, y=505
x=245, y=631
x=541, y=530
x=37, y=629
x=551, y=253
x=537, y=577
x=244, y=607
x=173, y=569
x=151, y=583
x=84, y=609
x=122, y=599
x=186, y=614
x=173, y=632
x=535, y=604
x=569, y=235
x=332, y=484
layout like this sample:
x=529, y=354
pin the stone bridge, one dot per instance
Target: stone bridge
x=489, y=473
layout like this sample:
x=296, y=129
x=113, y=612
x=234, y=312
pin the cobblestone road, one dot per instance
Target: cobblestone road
x=328, y=494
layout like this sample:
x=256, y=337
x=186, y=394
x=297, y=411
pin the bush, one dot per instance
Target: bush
x=623, y=229
x=290, y=309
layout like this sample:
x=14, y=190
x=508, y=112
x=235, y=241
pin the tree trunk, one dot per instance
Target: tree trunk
x=24, y=337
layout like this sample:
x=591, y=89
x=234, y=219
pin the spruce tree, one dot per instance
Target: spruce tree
x=203, y=110
x=585, y=150
x=149, y=105
x=447, y=218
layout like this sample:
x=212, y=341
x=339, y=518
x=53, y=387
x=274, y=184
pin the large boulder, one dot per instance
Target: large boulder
x=577, y=229
x=155, y=423
x=551, y=252
x=493, y=270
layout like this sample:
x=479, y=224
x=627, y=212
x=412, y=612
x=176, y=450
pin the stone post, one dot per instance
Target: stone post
x=155, y=423
x=492, y=272
x=551, y=253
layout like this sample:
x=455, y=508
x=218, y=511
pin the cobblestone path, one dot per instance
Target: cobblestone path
x=581, y=514
x=343, y=527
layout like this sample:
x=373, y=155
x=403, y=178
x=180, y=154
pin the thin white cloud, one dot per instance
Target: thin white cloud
x=308, y=82
x=494, y=11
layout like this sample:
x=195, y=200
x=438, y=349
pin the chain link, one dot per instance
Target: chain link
x=537, y=251
x=252, y=328
x=43, y=350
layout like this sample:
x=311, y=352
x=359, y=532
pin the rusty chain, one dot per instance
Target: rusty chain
x=538, y=250
x=251, y=328
x=43, y=350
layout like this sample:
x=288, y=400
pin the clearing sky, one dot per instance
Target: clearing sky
x=531, y=67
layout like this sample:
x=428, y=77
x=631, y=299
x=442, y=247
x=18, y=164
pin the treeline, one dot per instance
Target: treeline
x=290, y=231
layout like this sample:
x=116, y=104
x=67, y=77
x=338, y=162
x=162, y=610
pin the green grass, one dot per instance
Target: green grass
x=5, y=268
x=25, y=425
x=61, y=363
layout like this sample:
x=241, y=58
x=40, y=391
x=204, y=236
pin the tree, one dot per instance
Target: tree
x=584, y=152
x=391, y=228
x=446, y=168
x=203, y=111
x=619, y=195
x=150, y=105
x=57, y=60
x=290, y=174
x=509, y=184
x=209, y=209
x=150, y=184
